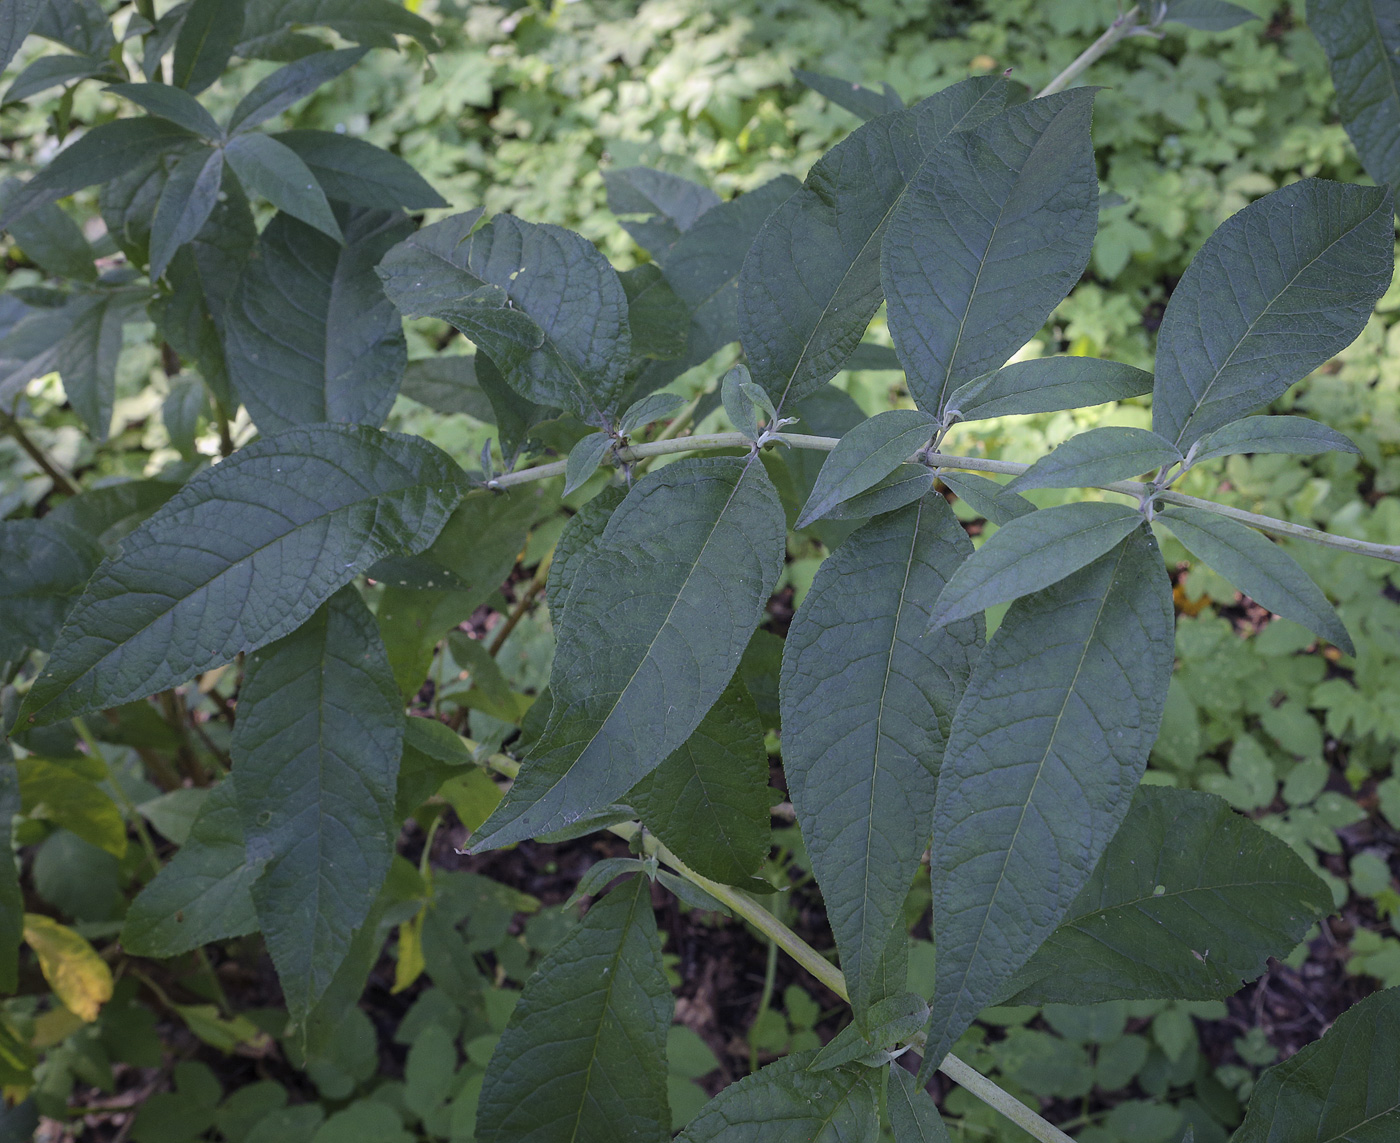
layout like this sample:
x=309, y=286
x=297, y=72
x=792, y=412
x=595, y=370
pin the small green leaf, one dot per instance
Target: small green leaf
x=889, y=1023
x=289, y=84
x=1032, y=552
x=863, y=101
x=1207, y=15
x=598, y=875
x=1047, y=385
x=359, y=173
x=1361, y=40
x=1099, y=456
x=274, y=171
x=739, y=405
x=1259, y=568
x=584, y=459
x=186, y=202
x=865, y=456
x=171, y=103
x=206, y=40
x=649, y=410
x=988, y=497
x=906, y=484
x=584, y=1054
x=1271, y=434
x=913, y=1115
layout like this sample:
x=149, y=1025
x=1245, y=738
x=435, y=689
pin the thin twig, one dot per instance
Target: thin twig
x=61, y=480
x=1120, y=29
x=522, y=605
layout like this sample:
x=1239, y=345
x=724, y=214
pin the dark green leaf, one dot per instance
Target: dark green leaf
x=51, y=238
x=1047, y=385
x=1188, y=901
x=204, y=893
x=907, y=483
x=786, y=1103
x=632, y=677
x=515, y=415
x=649, y=410
x=46, y=564
x=1099, y=456
x=576, y=546
x=268, y=168
x=664, y=206
x=874, y=357
x=351, y=170
x=1271, y=434
x=109, y=513
x=828, y=412
x=171, y=103
x=11, y=896
x=205, y=42
x=78, y=24
x=1361, y=39
x=50, y=71
x=287, y=85
x=1345, y=1086
x=988, y=239
x=191, y=192
x=447, y=385
x=868, y=695
x=1207, y=15
x=209, y=574
x=432, y=753
x=104, y=153
x=310, y=335
x=986, y=496
x=913, y=1115
x=584, y=459
x=739, y=405
x=1259, y=568
x=689, y=893
x=1032, y=552
x=657, y=317
x=1278, y=289
x=1047, y=747
x=372, y=22
x=708, y=802
x=30, y=348
x=889, y=1023
x=87, y=355
x=16, y=19
x=584, y=1054
x=863, y=101
x=316, y=748
x=865, y=456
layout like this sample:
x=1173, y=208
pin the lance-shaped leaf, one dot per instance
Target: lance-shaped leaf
x=1361, y=39
x=50, y=237
x=649, y=410
x=868, y=695
x=310, y=335
x=50, y=71
x=1032, y=552
x=204, y=893
x=187, y=200
x=16, y=19
x=541, y=300
x=584, y=1054
x=890, y=1022
x=907, y=483
x=656, y=622
x=1259, y=568
x=1099, y=456
x=661, y=206
x=104, y=153
x=243, y=554
x=1206, y=15
x=351, y=170
x=205, y=42
x=584, y=459
x=786, y=1102
x=1047, y=385
x=372, y=22
x=988, y=239
x=287, y=85
x=46, y=564
x=1047, y=747
x=1271, y=434
x=865, y=456
x=987, y=496
x=863, y=101
x=912, y=1112
x=316, y=748
x=1278, y=289
x=1188, y=901
x=171, y=103
x=709, y=800
x=1345, y=1086
x=88, y=354
x=275, y=172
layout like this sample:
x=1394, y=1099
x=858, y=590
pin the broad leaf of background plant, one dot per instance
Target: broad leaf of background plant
x=351, y=170
x=204, y=893
x=1345, y=1086
x=868, y=695
x=655, y=625
x=584, y=1054
x=1278, y=289
x=1046, y=750
x=1047, y=385
x=316, y=748
x=662, y=206
x=1361, y=39
x=785, y=1103
x=242, y=555
x=46, y=565
x=708, y=802
x=1187, y=902
x=311, y=336
x=988, y=239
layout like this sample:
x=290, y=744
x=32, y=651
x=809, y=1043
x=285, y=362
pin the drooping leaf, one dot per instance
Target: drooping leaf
x=186, y=202
x=988, y=497
x=87, y=356
x=208, y=575
x=171, y=103
x=1031, y=552
x=80, y=979
x=541, y=300
x=515, y=415
x=275, y=172
x=73, y=801
x=372, y=22
x=287, y=85
x=311, y=336
x=708, y=801
x=1271, y=434
x=785, y=1102
x=447, y=384
x=1047, y=385
x=46, y=565
x=316, y=749
x=204, y=893
x=1361, y=38
x=51, y=238
x=913, y=1115
x=1345, y=1086
x=889, y=1022
x=1047, y=747
x=989, y=237
x=1259, y=568
x=663, y=206
x=1187, y=901
x=1278, y=289
x=16, y=19
x=865, y=456
x=868, y=695
x=351, y=170
x=50, y=71
x=863, y=101
x=1099, y=456
x=698, y=538
x=584, y=1054
x=1207, y=15
x=205, y=42
x=584, y=459
x=30, y=348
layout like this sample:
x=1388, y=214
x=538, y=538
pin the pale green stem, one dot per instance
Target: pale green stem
x=1121, y=28
x=1132, y=488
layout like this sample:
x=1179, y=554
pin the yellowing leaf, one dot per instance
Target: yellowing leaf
x=410, y=964
x=205, y=1022
x=79, y=977
x=473, y=796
